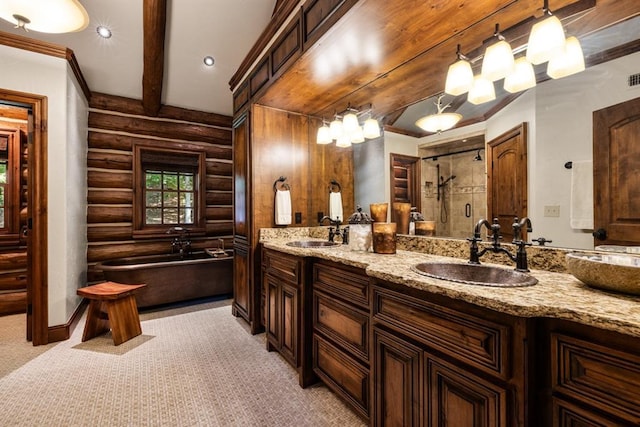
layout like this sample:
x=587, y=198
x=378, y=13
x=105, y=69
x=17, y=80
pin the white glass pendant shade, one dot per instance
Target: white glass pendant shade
x=371, y=129
x=335, y=129
x=350, y=123
x=523, y=77
x=569, y=62
x=357, y=136
x=438, y=122
x=459, y=78
x=498, y=61
x=482, y=91
x=545, y=40
x=324, y=135
x=344, y=141
x=46, y=16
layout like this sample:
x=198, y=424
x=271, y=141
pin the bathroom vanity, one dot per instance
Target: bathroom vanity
x=405, y=349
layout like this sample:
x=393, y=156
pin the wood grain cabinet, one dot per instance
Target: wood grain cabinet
x=440, y=364
x=341, y=332
x=594, y=383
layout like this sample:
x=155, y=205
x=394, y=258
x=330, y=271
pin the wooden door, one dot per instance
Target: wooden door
x=397, y=383
x=405, y=181
x=455, y=398
x=507, y=179
x=616, y=182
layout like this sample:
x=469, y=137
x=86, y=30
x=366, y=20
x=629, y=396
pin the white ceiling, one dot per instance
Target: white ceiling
x=224, y=29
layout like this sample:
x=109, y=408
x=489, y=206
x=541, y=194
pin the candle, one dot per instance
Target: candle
x=384, y=237
x=401, y=214
x=379, y=211
x=425, y=228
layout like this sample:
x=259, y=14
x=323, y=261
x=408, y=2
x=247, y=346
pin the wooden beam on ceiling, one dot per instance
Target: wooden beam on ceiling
x=154, y=23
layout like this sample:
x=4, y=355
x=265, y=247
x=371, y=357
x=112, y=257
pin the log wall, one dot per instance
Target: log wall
x=13, y=258
x=116, y=124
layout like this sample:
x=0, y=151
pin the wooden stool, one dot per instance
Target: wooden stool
x=111, y=303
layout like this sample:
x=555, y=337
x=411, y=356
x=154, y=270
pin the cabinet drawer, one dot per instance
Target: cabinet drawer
x=352, y=285
x=568, y=415
x=342, y=323
x=605, y=378
x=477, y=342
x=342, y=374
x=283, y=266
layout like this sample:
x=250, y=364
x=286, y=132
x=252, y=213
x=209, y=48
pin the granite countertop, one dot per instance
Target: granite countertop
x=556, y=295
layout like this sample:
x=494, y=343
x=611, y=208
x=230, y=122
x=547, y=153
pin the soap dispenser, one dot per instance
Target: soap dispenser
x=360, y=231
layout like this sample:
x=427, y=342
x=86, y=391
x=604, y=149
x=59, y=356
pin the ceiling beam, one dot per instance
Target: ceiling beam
x=154, y=23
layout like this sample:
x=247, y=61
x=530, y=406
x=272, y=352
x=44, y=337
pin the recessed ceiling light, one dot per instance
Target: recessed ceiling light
x=209, y=61
x=103, y=32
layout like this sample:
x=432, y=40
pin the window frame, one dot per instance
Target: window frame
x=10, y=233
x=167, y=158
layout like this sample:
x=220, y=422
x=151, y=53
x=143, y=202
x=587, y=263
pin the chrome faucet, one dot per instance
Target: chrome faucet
x=344, y=233
x=182, y=242
x=520, y=258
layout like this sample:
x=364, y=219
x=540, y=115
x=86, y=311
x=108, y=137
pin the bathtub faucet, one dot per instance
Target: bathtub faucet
x=182, y=242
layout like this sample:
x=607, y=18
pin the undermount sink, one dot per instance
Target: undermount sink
x=615, y=272
x=474, y=274
x=312, y=244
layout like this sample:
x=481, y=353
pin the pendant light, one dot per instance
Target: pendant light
x=482, y=91
x=324, y=134
x=371, y=128
x=546, y=39
x=440, y=121
x=459, y=76
x=568, y=62
x=523, y=77
x=45, y=16
x=498, y=59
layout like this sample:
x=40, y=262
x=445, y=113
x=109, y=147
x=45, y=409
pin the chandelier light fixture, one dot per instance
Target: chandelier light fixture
x=440, y=121
x=459, y=76
x=346, y=129
x=45, y=16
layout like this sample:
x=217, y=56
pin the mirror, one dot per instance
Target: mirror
x=559, y=116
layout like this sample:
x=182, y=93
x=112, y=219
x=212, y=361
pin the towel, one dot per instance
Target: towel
x=581, y=211
x=335, y=206
x=283, y=207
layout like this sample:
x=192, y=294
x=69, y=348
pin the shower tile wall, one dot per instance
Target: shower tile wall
x=455, y=219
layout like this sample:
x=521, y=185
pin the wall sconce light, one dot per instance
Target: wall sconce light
x=440, y=121
x=345, y=128
x=498, y=59
x=459, y=76
x=45, y=16
x=546, y=38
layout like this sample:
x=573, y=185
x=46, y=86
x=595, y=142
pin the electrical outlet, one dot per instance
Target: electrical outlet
x=552, y=211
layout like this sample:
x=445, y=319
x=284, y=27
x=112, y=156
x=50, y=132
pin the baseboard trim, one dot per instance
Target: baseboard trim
x=63, y=332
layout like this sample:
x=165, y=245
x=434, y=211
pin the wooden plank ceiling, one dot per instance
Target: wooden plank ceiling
x=395, y=53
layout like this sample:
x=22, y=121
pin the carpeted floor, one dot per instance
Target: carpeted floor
x=192, y=366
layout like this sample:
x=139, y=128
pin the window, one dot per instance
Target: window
x=169, y=190
x=9, y=186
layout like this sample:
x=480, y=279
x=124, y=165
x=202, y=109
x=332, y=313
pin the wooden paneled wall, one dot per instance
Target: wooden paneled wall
x=115, y=125
x=283, y=144
x=13, y=259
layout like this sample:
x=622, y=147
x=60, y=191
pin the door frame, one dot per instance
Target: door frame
x=37, y=267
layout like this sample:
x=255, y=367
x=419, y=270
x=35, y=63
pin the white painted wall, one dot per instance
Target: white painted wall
x=67, y=145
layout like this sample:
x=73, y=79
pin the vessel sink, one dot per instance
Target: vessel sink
x=474, y=274
x=615, y=272
x=312, y=244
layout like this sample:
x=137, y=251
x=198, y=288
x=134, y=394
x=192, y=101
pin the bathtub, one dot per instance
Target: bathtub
x=172, y=279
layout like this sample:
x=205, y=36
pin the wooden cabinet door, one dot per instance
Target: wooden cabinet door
x=272, y=318
x=456, y=398
x=288, y=316
x=241, y=177
x=616, y=161
x=397, y=381
x=241, y=285
x=507, y=179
